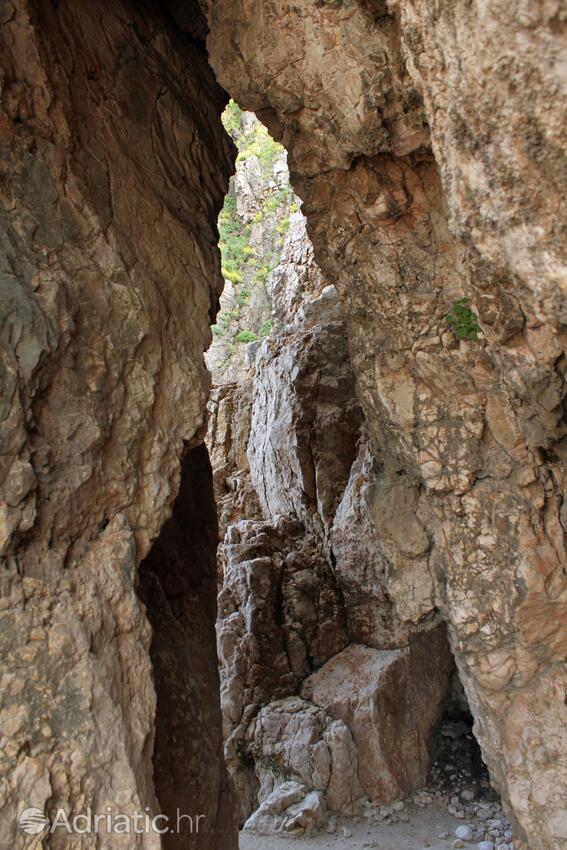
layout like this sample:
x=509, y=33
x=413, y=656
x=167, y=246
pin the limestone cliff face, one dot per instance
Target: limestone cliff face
x=426, y=145
x=113, y=169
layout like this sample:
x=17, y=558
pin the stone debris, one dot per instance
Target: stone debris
x=290, y=808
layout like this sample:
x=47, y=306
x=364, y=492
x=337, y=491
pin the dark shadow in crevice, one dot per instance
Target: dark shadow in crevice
x=177, y=584
x=457, y=758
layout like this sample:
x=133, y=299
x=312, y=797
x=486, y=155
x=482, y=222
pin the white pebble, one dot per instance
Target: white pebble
x=465, y=833
x=486, y=845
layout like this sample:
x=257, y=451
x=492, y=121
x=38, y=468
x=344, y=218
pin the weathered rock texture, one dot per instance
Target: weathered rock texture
x=427, y=143
x=113, y=169
x=387, y=700
x=296, y=738
x=291, y=809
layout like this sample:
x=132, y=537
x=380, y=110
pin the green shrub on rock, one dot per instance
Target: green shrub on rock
x=246, y=336
x=463, y=320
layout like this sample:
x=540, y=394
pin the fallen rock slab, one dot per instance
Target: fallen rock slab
x=376, y=695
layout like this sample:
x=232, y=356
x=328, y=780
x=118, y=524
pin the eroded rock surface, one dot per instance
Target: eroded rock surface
x=427, y=141
x=291, y=809
x=295, y=737
x=280, y=617
x=390, y=701
x=113, y=168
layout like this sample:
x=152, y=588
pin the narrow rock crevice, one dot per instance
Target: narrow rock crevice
x=178, y=586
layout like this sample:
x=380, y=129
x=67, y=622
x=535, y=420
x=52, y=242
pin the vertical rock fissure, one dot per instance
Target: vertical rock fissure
x=426, y=141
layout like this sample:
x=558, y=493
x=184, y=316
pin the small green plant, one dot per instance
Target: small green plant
x=463, y=320
x=232, y=275
x=262, y=274
x=217, y=330
x=266, y=328
x=283, y=225
x=243, y=296
x=246, y=336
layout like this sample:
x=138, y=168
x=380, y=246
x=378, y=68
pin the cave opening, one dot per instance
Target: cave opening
x=455, y=752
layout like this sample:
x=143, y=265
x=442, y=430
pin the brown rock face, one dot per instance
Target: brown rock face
x=389, y=699
x=113, y=168
x=426, y=143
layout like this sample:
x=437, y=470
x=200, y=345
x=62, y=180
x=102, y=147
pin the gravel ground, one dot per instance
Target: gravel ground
x=421, y=832
x=457, y=809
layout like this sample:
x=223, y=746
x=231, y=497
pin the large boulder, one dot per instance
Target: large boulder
x=390, y=700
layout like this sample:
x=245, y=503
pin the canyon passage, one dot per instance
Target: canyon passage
x=282, y=416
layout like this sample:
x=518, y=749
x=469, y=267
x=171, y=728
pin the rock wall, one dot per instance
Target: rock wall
x=113, y=169
x=426, y=142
